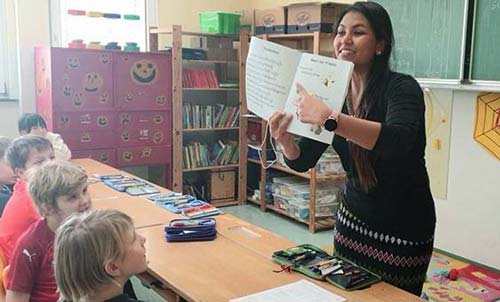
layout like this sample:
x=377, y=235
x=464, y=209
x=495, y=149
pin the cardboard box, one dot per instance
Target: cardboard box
x=270, y=21
x=315, y=16
x=222, y=185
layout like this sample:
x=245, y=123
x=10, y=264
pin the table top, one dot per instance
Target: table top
x=143, y=212
x=237, y=263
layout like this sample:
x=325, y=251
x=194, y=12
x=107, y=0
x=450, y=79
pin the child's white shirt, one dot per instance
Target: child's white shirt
x=61, y=151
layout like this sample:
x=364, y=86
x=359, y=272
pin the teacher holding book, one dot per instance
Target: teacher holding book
x=386, y=223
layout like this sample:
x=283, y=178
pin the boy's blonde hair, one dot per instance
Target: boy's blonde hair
x=52, y=180
x=84, y=245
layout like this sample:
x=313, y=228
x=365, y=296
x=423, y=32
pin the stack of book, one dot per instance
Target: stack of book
x=199, y=78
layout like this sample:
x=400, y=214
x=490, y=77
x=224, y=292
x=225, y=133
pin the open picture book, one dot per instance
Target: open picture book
x=272, y=72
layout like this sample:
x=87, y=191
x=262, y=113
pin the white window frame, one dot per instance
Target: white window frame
x=151, y=17
x=4, y=67
x=9, y=62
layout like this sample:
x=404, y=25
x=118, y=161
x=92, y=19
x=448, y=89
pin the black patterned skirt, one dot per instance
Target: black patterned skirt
x=399, y=261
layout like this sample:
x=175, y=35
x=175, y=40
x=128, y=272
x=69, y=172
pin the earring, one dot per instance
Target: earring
x=378, y=52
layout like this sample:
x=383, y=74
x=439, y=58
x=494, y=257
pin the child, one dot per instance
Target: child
x=7, y=176
x=109, y=251
x=24, y=153
x=59, y=189
x=33, y=123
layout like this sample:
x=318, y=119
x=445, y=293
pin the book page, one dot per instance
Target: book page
x=299, y=291
x=269, y=74
x=328, y=80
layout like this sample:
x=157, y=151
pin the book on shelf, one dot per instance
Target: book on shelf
x=198, y=155
x=210, y=116
x=273, y=72
x=199, y=78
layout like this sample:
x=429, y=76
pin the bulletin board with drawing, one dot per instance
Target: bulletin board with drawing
x=438, y=104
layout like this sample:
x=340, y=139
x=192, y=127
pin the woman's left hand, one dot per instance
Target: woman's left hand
x=310, y=109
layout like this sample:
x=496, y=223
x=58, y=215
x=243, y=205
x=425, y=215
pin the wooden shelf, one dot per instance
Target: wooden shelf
x=224, y=203
x=208, y=62
x=254, y=201
x=210, y=89
x=225, y=69
x=191, y=33
x=211, y=168
x=209, y=129
x=298, y=36
x=307, y=175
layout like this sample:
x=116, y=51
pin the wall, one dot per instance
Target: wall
x=32, y=30
x=468, y=221
x=31, y=24
x=261, y=4
x=185, y=12
x=9, y=111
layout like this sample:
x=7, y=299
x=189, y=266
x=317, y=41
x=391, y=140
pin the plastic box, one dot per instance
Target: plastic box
x=281, y=202
x=300, y=209
x=220, y=22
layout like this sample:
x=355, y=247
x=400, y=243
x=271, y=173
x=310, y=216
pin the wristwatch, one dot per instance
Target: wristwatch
x=330, y=123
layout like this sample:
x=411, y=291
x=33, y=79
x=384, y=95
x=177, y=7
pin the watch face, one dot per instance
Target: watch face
x=330, y=124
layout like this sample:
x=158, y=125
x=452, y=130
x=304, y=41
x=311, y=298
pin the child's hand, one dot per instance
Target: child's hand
x=310, y=109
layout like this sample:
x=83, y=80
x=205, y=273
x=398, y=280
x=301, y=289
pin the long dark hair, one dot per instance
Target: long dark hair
x=378, y=75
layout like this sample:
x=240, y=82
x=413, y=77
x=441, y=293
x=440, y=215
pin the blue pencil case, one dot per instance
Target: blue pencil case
x=191, y=230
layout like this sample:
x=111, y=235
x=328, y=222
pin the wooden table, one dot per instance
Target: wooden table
x=237, y=263
x=143, y=212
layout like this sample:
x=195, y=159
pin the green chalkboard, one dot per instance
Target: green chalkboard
x=429, y=37
x=486, y=41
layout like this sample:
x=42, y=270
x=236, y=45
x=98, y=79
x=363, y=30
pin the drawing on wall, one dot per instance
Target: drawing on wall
x=438, y=104
x=487, y=129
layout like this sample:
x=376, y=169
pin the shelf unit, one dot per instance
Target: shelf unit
x=207, y=96
x=302, y=40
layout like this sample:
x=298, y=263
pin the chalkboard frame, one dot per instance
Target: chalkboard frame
x=473, y=32
x=461, y=73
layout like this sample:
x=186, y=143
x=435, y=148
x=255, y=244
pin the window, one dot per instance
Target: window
x=99, y=21
x=4, y=70
x=8, y=58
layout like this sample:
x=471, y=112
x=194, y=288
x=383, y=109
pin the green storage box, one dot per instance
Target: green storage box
x=220, y=22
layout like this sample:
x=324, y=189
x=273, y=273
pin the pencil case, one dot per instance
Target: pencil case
x=129, y=185
x=190, y=230
x=318, y=264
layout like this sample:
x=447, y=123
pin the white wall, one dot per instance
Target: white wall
x=9, y=111
x=32, y=30
x=469, y=220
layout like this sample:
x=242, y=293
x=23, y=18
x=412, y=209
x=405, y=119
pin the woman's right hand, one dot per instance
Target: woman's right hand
x=278, y=125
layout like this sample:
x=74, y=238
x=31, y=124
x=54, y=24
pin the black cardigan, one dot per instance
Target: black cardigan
x=401, y=203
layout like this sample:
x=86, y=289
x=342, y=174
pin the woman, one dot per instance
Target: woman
x=386, y=224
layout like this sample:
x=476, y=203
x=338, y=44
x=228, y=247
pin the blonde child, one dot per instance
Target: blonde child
x=109, y=251
x=34, y=124
x=59, y=189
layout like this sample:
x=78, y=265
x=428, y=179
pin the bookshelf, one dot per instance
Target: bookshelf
x=208, y=129
x=310, y=42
